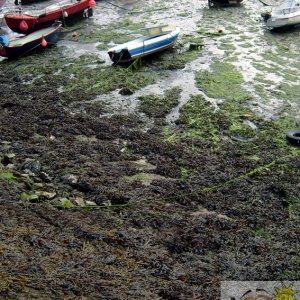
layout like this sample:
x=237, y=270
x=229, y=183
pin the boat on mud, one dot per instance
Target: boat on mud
x=158, y=39
x=218, y=3
x=36, y=40
x=27, y=1
x=25, y=22
x=284, y=15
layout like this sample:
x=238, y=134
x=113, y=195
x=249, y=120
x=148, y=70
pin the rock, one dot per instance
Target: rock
x=37, y=185
x=297, y=120
x=48, y=195
x=31, y=165
x=36, y=196
x=10, y=166
x=143, y=165
x=8, y=158
x=92, y=203
x=79, y=201
x=29, y=173
x=10, y=155
x=31, y=196
x=70, y=179
x=83, y=186
x=125, y=91
x=195, y=46
x=221, y=29
x=45, y=177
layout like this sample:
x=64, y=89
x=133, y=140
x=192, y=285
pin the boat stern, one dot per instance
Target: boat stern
x=274, y=22
x=120, y=56
x=3, y=51
x=266, y=15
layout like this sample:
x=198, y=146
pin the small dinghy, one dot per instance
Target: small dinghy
x=158, y=39
x=39, y=39
x=284, y=15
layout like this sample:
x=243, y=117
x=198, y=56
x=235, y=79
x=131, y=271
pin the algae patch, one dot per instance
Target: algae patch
x=156, y=106
x=77, y=81
x=231, y=121
x=223, y=81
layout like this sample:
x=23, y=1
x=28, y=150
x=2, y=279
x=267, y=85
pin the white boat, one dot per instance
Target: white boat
x=158, y=39
x=284, y=15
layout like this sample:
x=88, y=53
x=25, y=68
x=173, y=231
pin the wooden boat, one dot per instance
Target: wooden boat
x=284, y=15
x=33, y=41
x=158, y=39
x=25, y=22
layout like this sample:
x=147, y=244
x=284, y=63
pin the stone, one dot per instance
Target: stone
x=32, y=165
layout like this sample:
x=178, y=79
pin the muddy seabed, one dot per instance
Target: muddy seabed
x=157, y=182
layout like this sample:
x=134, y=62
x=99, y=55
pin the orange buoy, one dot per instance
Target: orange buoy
x=44, y=43
x=23, y=26
x=92, y=3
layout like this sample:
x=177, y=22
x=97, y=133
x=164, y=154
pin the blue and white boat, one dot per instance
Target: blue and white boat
x=158, y=39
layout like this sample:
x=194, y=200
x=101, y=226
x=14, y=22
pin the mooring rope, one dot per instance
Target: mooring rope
x=265, y=3
x=116, y=5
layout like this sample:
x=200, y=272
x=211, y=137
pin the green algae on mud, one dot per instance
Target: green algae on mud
x=106, y=79
x=199, y=119
x=178, y=60
x=216, y=83
x=7, y=176
x=155, y=106
x=77, y=77
x=182, y=235
x=231, y=120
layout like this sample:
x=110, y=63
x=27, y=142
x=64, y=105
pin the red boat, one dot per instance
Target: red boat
x=24, y=22
x=34, y=41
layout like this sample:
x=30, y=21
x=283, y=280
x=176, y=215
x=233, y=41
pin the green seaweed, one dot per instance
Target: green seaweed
x=7, y=176
x=216, y=83
x=156, y=106
x=77, y=78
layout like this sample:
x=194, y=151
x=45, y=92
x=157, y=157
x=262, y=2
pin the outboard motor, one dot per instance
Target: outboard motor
x=266, y=16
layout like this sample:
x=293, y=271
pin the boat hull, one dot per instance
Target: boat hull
x=218, y=3
x=283, y=21
x=31, y=1
x=32, y=42
x=33, y=22
x=143, y=47
x=284, y=15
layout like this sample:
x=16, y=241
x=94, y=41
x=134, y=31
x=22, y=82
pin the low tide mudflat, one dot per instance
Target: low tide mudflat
x=156, y=182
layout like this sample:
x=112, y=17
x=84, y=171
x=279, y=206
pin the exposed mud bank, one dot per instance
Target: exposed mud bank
x=82, y=215
x=121, y=184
